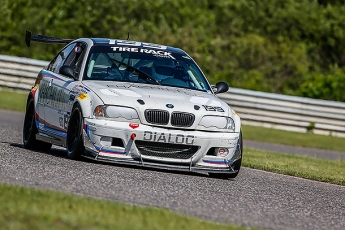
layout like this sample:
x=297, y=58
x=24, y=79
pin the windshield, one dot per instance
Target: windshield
x=141, y=65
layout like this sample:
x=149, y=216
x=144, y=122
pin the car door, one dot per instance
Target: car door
x=56, y=112
x=45, y=114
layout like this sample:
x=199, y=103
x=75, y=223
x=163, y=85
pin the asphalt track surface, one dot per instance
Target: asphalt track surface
x=255, y=198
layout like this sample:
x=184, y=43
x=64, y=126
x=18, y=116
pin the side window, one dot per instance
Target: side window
x=76, y=57
x=80, y=54
x=60, y=59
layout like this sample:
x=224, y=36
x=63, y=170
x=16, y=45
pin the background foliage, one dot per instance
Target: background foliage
x=293, y=47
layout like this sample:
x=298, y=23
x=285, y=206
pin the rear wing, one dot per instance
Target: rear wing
x=45, y=39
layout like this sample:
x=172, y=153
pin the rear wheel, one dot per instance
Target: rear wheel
x=30, y=130
x=236, y=165
x=75, y=145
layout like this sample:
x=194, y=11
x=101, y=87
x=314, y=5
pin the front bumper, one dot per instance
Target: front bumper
x=157, y=147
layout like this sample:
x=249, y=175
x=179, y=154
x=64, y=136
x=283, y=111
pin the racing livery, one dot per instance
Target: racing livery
x=134, y=103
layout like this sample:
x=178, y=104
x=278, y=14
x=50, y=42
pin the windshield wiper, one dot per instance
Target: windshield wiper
x=141, y=74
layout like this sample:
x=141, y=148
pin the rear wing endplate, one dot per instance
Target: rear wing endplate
x=45, y=39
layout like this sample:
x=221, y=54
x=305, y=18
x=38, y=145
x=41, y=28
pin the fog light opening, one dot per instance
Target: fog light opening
x=221, y=152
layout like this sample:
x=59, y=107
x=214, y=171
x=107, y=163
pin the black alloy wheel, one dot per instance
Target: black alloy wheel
x=30, y=130
x=74, y=143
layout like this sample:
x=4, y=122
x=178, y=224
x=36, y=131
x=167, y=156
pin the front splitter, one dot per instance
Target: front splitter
x=142, y=163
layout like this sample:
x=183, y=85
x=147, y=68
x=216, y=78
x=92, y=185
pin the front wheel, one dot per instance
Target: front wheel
x=30, y=130
x=236, y=165
x=74, y=143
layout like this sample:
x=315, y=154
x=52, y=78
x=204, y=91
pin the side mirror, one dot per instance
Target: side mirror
x=67, y=71
x=221, y=87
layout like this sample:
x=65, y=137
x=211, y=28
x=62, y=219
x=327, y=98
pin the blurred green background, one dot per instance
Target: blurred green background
x=293, y=47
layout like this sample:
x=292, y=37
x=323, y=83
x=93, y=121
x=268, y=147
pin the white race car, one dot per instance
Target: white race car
x=134, y=103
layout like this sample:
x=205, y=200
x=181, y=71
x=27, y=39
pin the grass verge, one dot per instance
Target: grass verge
x=12, y=100
x=331, y=171
x=293, y=138
x=23, y=208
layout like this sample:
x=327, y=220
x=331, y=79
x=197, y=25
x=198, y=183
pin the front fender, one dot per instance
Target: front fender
x=237, y=121
x=88, y=101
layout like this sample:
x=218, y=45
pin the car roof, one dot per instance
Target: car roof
x=105, y=42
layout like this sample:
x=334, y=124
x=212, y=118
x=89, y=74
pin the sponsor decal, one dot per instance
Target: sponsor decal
x=63, y=121
x=82, y=96
x=213, y=108
x=125, y=92
x=133, y=125
x=134, y=43
x=53, y=96
x=168, y=138
x=156, y=53
x=80, y=89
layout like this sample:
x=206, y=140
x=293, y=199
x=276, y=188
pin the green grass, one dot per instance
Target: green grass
x=12, y=100
x=331, y=171
x=23, y=208
x=293, y=138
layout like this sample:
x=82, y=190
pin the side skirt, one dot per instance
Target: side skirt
x=51, y=138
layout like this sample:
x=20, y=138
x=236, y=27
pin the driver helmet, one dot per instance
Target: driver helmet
x=162, y=69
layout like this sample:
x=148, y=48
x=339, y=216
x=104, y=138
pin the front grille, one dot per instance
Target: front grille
x=182, y=119
x=160, y=117
x=166, y=150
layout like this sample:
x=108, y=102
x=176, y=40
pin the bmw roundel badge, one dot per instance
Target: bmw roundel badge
x=170, y=106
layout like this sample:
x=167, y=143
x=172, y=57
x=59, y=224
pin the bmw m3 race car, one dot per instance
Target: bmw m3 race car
x=131, y=102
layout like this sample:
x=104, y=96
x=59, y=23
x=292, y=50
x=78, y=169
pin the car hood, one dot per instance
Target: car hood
x=145, y=96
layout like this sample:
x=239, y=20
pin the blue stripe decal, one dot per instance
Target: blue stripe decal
x=50, y=130
x=217, y=161
x=108, y=150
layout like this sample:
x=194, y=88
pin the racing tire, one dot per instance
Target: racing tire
x=30, y=130
x=74, y=140
x=236, y=165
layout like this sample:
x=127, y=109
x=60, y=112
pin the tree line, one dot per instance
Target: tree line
x=293, y=47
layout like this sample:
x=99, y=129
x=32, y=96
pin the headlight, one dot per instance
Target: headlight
x=216, y=122
x=116, y=112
